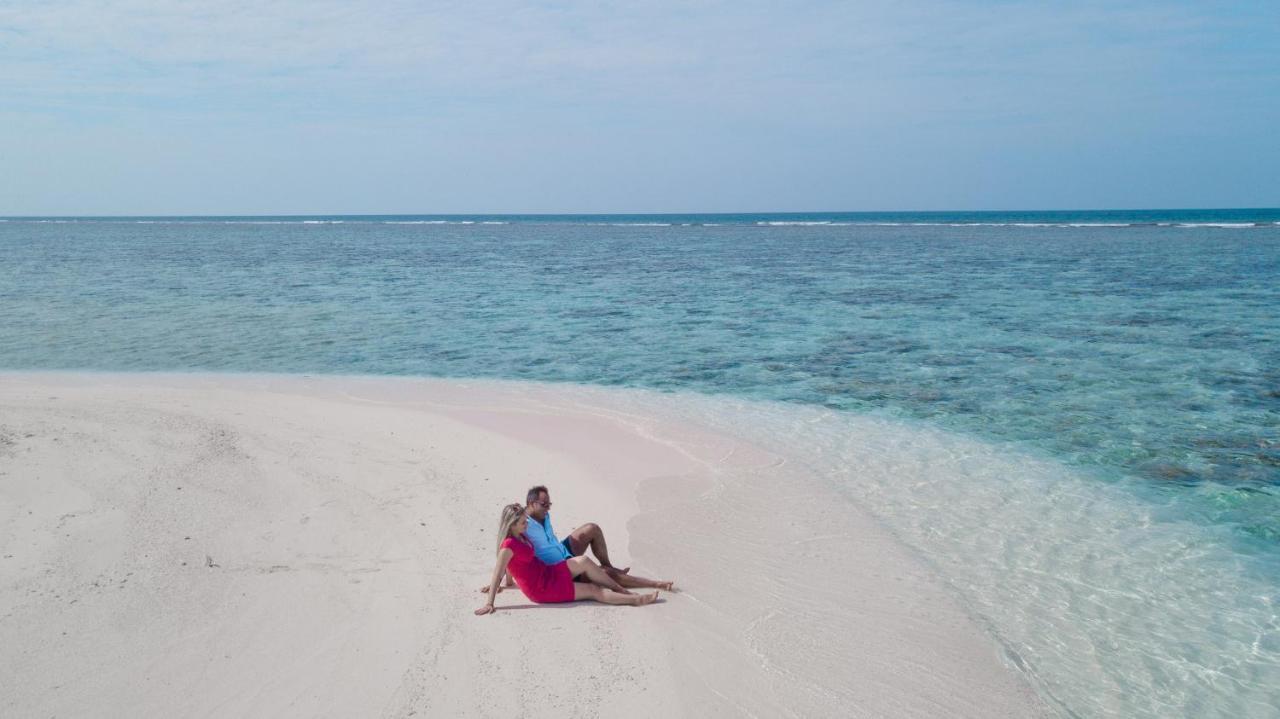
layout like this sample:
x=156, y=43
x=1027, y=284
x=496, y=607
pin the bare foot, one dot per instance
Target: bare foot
x=614, y=570
x=669, y=586
x=644, y=599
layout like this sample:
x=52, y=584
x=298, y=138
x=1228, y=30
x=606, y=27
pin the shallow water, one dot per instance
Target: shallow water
x=1136, y=355
x=1106, y=596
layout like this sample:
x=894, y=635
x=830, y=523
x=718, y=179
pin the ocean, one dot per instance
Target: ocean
x=1101, y=387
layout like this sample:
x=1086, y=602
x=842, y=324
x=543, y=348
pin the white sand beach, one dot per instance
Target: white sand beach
x=289, y=546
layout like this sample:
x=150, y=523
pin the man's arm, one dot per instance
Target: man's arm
x=545, y=545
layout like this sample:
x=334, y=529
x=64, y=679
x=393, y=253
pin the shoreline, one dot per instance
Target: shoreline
x=339, y=527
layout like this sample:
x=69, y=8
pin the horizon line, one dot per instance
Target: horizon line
x=637, y=213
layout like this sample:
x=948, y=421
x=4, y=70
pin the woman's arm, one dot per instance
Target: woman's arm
x=504, y=557
x=509, y=583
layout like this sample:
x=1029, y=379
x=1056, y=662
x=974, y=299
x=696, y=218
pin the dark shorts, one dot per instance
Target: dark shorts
x=568, y=546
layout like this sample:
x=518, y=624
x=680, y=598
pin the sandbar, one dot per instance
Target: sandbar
x=284, y=545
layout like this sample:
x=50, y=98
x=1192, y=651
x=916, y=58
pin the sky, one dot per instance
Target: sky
x=320, y=107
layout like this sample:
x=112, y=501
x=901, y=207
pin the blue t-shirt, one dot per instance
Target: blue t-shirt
x=545, y=545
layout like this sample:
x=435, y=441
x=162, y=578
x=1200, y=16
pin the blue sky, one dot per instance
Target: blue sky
x=417, y=107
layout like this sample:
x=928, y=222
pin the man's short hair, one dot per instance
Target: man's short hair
x=534, y=492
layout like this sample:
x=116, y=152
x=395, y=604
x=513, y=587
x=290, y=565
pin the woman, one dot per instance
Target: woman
x=543, y=583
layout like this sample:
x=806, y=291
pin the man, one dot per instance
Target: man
x=552, y=551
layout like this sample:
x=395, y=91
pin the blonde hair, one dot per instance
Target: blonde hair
x=510, y=515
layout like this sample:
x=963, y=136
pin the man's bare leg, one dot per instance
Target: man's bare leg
x=631, y=581
x=590, y=536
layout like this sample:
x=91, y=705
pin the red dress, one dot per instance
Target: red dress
x=541, y=583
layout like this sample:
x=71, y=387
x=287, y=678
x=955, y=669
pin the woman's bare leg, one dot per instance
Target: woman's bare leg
x=584, y=565
x=608, y=596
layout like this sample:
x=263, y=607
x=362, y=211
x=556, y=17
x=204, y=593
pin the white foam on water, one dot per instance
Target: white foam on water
x=1052, y=224
x=436, y=222
x=1114, y=603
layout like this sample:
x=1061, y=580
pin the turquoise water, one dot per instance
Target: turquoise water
x=1146, y=351
x=1138, y=350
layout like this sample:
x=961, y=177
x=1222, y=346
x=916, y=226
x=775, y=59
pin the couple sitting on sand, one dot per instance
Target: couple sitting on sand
x=550, y=570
